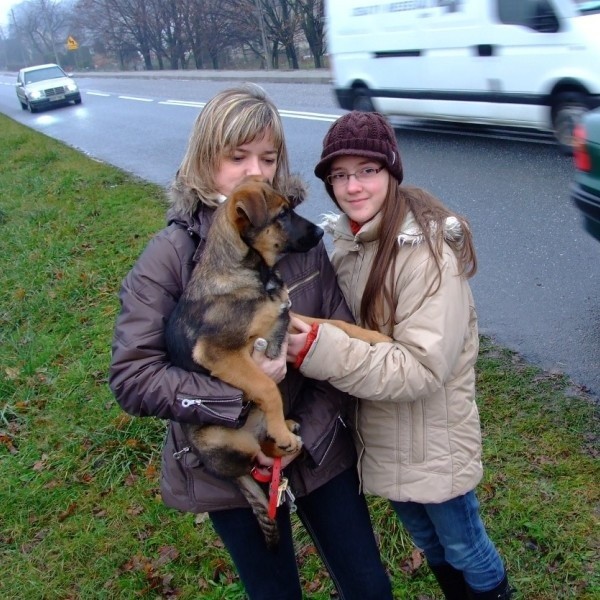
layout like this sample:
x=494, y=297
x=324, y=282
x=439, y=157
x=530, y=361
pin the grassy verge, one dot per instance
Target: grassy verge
x=81, y=514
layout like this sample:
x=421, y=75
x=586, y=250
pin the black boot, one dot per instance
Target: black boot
x=502, y=591
x=451, y=581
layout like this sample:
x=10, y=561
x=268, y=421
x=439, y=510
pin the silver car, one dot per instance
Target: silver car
x=45, y=85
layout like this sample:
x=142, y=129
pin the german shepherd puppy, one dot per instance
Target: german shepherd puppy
x=235, y=296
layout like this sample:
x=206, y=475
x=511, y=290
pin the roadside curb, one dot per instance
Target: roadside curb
x=320, y=76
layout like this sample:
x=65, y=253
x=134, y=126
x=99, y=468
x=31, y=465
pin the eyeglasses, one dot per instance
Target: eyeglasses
x=341, y=178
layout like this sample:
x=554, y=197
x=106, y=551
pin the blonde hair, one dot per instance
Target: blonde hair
x=230, y=119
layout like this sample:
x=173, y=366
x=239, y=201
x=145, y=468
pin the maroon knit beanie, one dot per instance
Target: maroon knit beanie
x=360, y=134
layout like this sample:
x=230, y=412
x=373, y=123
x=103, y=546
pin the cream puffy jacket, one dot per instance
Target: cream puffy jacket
x=418, y=425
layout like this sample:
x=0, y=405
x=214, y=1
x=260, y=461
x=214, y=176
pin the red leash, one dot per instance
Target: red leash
x=274, y=481
x=274, y=487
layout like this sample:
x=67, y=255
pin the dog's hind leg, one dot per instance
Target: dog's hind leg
x=239, y=370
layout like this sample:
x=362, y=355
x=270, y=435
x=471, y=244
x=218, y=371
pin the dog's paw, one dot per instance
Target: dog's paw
x=289, y=445
x=293, y=426
x=273, y=350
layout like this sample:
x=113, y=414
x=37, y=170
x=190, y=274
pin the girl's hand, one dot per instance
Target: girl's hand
x=264, y=463
x=275, y=368
x=297, y=341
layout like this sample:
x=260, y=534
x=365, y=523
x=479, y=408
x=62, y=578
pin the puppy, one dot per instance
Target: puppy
x=235, y=296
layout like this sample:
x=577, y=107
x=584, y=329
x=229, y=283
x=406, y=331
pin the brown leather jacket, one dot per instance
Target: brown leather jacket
x=146, y=384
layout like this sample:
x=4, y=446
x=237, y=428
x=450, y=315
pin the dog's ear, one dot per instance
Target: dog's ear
x=250, y=207
x=294, y=189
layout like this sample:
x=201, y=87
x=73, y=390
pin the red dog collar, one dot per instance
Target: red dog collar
x=260, y=477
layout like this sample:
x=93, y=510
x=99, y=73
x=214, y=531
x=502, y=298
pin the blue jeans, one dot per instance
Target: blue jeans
x=337, y=518
x=452, y=533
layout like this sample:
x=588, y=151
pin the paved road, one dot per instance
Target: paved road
x=537, y=288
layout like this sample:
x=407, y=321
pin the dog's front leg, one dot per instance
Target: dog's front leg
x=354, y=331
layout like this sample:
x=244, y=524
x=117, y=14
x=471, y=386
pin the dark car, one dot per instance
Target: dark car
x=586, y=187
x=43, y=86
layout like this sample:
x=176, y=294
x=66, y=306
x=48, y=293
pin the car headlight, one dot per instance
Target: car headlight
x=72, y=87
x=36, y=94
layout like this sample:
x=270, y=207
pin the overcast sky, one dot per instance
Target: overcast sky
x=5, y=10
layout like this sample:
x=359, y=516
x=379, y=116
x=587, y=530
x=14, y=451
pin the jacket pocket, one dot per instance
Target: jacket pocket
x=320, y=451
x=417, y=432
x=229, y=412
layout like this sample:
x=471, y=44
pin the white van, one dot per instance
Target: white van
x=523, y=63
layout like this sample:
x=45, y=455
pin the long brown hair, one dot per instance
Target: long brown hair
x=430, y=214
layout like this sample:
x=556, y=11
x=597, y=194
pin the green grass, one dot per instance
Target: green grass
x=81, y=515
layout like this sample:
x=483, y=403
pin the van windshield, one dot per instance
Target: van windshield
x=587, y=7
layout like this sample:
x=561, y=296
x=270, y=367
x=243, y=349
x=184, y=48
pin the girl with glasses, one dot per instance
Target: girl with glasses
x=403, y=260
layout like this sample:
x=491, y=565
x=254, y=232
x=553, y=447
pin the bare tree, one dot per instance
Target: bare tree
x=312, y=20
x=283, y=24
x=172, y=32
x=218, y=30
x=193, y=25
x=124, y=22
x=246, y=31
x=169, y=22
x=44, y=23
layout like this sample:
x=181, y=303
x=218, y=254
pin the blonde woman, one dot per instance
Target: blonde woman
x=239, y=133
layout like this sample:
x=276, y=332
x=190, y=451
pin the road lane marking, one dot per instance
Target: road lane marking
x=183, y=103
x=308, y=116
x=135, y=98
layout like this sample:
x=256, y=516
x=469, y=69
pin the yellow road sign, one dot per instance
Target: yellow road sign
x=72, y=44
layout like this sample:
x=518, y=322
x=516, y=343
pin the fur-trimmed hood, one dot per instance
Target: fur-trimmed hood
x=338, y=225
x=184, y=201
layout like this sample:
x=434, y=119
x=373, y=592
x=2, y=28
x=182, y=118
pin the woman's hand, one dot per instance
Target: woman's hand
x=274, y=368
x=297, y=340
x=264, y=463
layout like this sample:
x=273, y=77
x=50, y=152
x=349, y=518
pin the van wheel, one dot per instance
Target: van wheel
x=362, y=101
x=567, y=111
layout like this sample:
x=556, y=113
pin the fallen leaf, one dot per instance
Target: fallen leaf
x=11, y=373
x=166, y=554
x=67, y=513
x=413, y=563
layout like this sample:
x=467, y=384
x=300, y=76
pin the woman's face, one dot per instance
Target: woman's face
x=258, y=157
x=361, y=198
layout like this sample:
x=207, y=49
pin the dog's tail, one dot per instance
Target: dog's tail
x=259, y=504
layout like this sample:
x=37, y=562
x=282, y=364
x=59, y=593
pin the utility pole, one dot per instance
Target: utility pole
x=17, y=35
x=261, y=24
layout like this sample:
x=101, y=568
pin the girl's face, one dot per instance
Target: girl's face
x=362, y=197
x=258, y=157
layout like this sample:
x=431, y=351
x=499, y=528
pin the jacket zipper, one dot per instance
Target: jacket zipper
x=303, y=281
x=187, y=402
x=334, y=437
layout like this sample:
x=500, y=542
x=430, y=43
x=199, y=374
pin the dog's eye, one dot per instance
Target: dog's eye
x=283, y=213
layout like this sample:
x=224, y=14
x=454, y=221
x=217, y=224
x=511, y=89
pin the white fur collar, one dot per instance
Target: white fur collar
x=410, y=232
